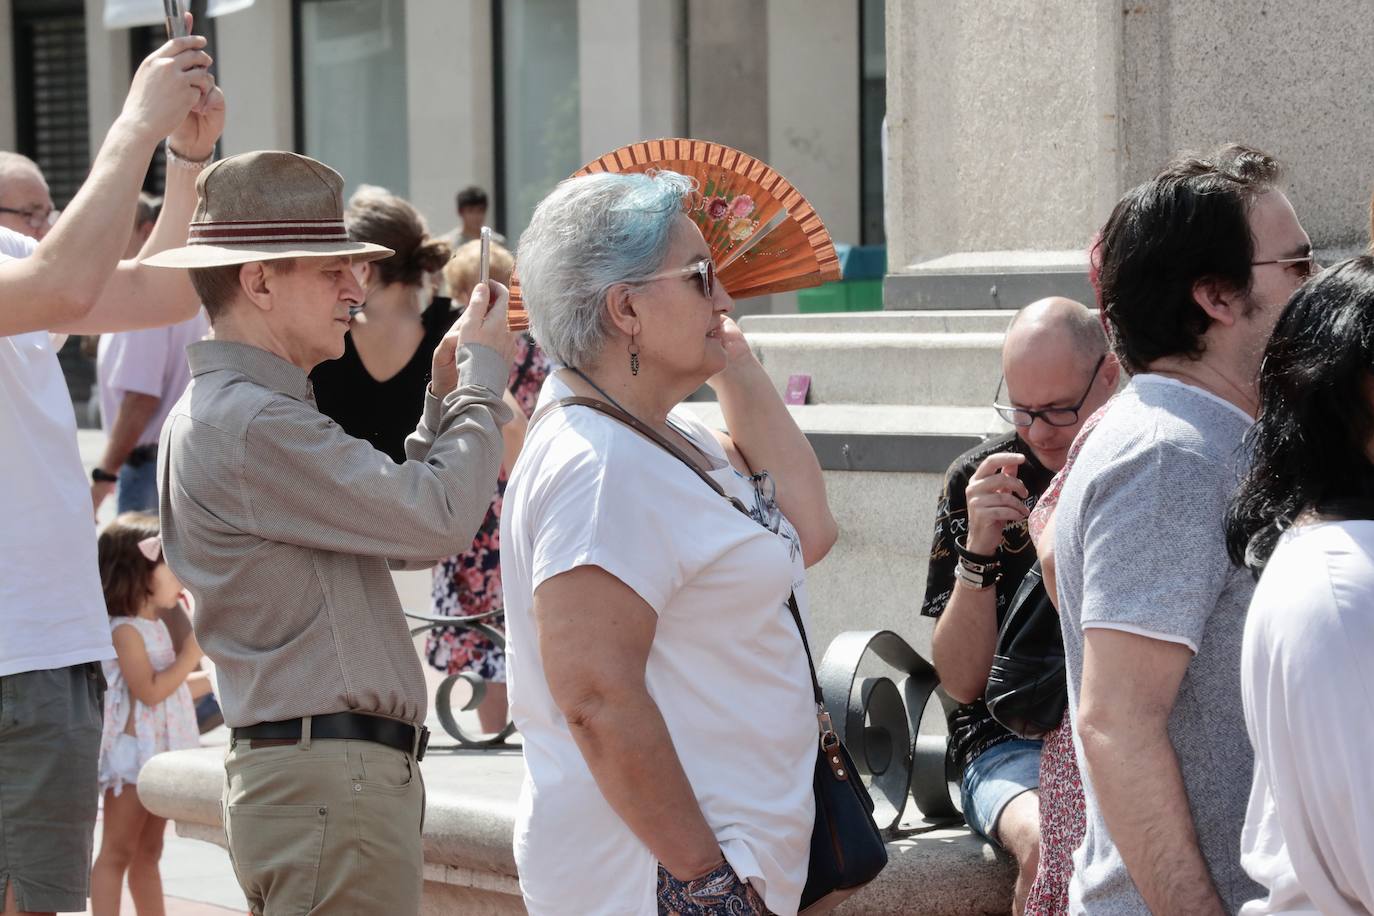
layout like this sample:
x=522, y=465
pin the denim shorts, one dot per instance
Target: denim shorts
x=994, y=778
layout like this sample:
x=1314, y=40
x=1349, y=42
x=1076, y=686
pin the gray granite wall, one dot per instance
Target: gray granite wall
x=1016, y=126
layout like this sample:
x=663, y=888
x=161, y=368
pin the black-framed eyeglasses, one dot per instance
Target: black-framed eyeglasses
x=705, y=269
x=37, y=218
x=1307, y=264
x=1022, y=417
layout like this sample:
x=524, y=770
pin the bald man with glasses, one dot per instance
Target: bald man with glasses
x=1056, y=373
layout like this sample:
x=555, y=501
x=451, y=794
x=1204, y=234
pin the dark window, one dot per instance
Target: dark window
x=143, y=41
x=537, y=103
x=349, y=59
x=872, y=109
x=50, y=91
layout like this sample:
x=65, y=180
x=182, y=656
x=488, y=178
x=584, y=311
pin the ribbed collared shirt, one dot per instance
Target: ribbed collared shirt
x=281, y=525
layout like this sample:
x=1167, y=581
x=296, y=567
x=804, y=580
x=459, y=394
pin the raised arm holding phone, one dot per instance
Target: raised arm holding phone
x=52, y=612
x=73, y=282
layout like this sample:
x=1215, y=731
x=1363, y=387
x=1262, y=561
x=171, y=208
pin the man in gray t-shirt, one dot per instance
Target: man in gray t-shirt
x=1141, y=549
x=1196, y=266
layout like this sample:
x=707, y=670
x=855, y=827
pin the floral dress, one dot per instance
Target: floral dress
x=1063, y=809
x=168, y=726
x=470, y=583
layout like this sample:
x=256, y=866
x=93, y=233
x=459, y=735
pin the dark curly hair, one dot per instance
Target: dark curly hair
x=126, y=575
x=1190, y=222
x=1308, y=445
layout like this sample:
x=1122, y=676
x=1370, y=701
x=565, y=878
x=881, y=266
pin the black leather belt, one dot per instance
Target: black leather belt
x=350, y=725
x=143, y=454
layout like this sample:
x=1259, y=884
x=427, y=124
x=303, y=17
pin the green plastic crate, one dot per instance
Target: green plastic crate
x=842, y=296
x=864, y=295
x=831, y=297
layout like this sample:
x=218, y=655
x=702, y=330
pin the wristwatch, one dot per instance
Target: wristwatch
x=100, y=475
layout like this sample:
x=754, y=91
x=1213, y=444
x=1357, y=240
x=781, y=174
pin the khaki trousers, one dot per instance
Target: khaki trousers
x=325, y=827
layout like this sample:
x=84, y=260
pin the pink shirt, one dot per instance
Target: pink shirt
x=152, y=362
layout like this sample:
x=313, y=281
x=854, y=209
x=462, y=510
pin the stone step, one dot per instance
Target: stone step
x=872, y=367
x=934, y=321
x=876, y=419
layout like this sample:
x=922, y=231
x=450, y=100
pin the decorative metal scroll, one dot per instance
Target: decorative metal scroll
x=880, y=723
x=443, y=694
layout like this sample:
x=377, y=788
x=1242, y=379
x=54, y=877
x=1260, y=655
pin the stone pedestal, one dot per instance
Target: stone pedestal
x=1014, y=128
x=470, y=819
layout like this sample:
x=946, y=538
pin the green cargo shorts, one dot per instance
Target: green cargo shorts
x=49, y=755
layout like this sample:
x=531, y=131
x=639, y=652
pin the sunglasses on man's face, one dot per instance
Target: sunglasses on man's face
x=1303, y=267
x=705, y=269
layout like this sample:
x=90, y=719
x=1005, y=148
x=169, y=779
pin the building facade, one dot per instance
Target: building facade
x=427, y=96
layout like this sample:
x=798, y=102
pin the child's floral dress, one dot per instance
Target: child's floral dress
x=168, y=726
x=470, y=583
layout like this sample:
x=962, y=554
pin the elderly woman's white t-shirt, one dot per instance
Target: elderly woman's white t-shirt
x=727, y=668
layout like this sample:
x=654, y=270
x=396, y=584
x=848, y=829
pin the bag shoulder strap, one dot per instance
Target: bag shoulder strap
x=645, y=430
x=658, y=439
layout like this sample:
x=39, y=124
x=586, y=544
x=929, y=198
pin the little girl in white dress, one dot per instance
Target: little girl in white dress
x=149, y=707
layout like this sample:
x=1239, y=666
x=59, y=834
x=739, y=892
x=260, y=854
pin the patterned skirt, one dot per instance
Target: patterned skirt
x=1063, y=820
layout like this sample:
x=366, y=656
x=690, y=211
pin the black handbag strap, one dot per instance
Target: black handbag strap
x=654, y=436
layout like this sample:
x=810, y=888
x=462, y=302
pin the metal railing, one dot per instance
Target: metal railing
x=880, y=724
x=443, y=694
x=878, y=719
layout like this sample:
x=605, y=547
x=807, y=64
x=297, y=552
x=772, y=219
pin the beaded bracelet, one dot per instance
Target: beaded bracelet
x=194, y=165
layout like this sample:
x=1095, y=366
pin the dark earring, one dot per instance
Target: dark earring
x=634, y=356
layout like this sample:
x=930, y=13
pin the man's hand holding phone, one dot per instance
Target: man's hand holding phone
x=483, y=322
x=996, y=497
x=178, y=20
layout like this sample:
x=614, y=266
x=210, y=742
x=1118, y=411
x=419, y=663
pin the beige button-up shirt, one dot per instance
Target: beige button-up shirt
x=281, y=525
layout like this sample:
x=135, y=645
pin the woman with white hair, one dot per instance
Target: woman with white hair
x=655, y=668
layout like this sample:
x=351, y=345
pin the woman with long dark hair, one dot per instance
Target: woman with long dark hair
x=1303, y=519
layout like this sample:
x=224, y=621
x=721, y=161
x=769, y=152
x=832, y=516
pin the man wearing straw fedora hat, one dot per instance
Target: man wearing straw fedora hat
x=282, y=526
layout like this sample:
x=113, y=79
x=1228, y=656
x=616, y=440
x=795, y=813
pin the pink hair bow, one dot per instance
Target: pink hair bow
x=151, y=548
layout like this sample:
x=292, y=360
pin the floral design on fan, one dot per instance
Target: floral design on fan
x=741, y=206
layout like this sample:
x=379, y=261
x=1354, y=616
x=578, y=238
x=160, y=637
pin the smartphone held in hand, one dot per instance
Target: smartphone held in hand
x=485, y=258
x=175, y=11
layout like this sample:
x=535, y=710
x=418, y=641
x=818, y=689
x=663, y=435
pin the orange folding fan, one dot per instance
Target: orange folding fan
x=764, y=236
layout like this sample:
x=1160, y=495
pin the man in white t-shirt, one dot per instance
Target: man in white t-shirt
x=1196, y=267
x=53, y=626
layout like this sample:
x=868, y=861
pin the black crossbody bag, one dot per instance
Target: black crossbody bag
x=1027, y=690
x=847, y=849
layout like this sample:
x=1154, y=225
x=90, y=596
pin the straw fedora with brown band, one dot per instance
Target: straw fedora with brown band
x=265, y=206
